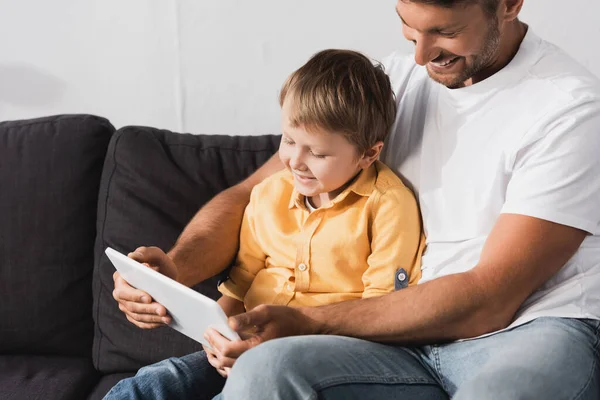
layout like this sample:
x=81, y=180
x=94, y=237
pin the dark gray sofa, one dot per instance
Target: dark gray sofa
x=69, y=187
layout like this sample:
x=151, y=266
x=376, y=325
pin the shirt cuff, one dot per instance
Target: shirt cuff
x=228, y=288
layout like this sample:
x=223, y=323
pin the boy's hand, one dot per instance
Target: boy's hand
x=255, y=327
x=138, y=306
x=219, y=343
x=218, y=357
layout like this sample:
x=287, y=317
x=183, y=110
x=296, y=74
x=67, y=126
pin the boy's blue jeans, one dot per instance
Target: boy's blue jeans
x=188, y=377
x=549, y=358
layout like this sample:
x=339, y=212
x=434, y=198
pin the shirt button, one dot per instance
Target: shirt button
x=302, y=267
x=401, y=276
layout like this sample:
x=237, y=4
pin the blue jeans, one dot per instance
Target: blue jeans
x=188, y=377
x=548, y=358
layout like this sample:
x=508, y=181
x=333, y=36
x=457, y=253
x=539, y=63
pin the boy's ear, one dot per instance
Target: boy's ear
x=371, y=155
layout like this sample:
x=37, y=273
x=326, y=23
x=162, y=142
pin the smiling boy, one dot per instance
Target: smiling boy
x=334, y=225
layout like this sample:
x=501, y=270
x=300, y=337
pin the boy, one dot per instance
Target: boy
x=335, y=225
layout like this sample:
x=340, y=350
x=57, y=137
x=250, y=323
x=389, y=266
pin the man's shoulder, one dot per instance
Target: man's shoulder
x=557, y=73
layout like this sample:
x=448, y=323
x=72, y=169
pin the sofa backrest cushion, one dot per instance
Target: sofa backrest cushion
x=50, y=172
x=153, y=182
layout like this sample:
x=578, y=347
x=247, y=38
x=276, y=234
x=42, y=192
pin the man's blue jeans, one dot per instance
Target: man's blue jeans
x=549, y=358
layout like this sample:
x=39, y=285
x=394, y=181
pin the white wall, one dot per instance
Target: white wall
x=207, y=66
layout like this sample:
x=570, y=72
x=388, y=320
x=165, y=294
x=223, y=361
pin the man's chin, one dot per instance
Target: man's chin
x=451, y=81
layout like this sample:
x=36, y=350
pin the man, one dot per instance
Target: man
x=498, y=133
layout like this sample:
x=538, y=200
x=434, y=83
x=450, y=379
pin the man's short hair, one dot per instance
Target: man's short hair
x=342, y=91
x=489, y=6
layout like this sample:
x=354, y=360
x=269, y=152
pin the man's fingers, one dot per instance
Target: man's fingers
x=125, y=292
x=133, y=295
x=237, y=347
x=250, y=320
x=145, y=317
x=154, y=308
x=142, y=325
x=148, y=255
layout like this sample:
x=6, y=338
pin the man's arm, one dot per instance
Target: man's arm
x=205, y=247
x=520, y=255
x=210, y=240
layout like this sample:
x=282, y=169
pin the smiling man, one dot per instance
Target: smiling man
x=498, y=133
x=458, y=49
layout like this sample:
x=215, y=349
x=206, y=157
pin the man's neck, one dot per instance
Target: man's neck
x=509, y=47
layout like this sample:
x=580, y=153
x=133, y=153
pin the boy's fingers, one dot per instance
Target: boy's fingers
x=216, y=340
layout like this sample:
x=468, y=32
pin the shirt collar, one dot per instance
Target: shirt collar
x=362, y=185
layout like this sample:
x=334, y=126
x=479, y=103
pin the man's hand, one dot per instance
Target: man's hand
x=138, y=306
x=267, y=322
x=255, y=327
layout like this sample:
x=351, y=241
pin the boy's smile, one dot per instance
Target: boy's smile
x=321, y=162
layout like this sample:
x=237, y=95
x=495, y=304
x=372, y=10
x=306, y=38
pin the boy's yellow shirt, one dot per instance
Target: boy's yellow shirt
x=350, y=249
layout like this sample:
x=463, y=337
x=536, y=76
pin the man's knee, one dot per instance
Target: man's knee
x=267, y=360
x=273, y=367
x=549, y=358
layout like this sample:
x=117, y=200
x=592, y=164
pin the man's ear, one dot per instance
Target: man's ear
x=370, y=155
x=512, y=8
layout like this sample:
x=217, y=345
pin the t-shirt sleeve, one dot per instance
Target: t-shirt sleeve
x=556, y=177
x=396, y=242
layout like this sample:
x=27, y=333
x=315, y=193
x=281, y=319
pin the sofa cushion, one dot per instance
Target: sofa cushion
x=50, y=172
x=46, y=377
x=106, y=383
x=153, y=182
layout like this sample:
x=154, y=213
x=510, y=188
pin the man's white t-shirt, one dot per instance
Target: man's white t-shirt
x=524, y=141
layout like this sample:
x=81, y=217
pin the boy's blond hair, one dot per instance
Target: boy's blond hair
x=342, y=91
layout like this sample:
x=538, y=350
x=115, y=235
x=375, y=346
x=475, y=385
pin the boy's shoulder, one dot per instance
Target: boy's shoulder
x=276, y=186
x=387, y=181
x=389, y=190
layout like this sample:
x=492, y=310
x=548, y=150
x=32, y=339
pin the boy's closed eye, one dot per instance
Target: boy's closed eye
x=317, y=155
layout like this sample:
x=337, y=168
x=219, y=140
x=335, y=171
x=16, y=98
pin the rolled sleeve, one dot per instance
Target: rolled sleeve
x=250, y=259
x=396, y=242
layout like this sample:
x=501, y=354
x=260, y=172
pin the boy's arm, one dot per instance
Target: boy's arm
x=396, y=243
x=231, y=306
x=251, y=257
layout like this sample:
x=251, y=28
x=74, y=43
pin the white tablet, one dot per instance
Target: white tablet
x=192, y=313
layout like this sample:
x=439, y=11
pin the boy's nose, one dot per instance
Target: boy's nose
x=296, y=163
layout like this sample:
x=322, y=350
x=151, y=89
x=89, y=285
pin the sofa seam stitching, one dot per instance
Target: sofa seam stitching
x=99, y=293
x=57, y=119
